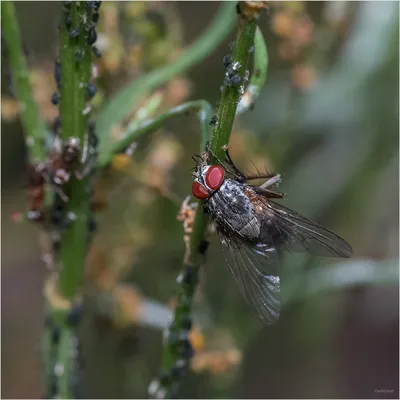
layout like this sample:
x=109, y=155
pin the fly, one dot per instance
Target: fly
x=253, y=228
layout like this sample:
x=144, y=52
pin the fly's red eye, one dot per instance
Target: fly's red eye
x=214, y=177
x=199, y=191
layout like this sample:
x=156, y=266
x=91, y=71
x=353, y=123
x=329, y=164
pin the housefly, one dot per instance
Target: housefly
x=252, y=230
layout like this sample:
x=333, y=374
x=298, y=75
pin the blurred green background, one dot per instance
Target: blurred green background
x=327, y=120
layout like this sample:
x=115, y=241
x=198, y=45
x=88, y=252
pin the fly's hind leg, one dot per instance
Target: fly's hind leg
x=270, y=194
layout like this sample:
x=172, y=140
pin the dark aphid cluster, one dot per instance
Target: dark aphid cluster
x=55, y=336
x=57, y=72
x=214, y=121
x=73, y=318
x=179, y=337
x=183, y=348
x=188, y=276
x=55, y=98
x=91, y=35
x=91, y=90
x=232, y=77
x=227, y=60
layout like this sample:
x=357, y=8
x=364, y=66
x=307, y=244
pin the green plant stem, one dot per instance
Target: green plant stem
x=202, y=109
x=126, y=100
x=231, y=95
x=33, y=124
x=75, y=77
x=220, y=139
x=63, y=287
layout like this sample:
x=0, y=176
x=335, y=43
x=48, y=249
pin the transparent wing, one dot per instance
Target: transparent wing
x=298, y=234
x=255, y=269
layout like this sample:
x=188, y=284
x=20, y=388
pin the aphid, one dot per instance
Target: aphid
x=74, y=315
x=203, y=246
x=178, y=371
x=92, y=225
x=214, y=121
x=91, y=90
x=92, y=36
x=55, y=334
x=96, y=51
x=55, y=98
x=235, y=80
x=188, y=277
x=95, y=5
x=68, y=20
x=186, y=322
x=93, y=139
x=252, y=230
x=78, y=55
x=74, y=33
x=57, y=72
x=227, y=60
x=186, y=349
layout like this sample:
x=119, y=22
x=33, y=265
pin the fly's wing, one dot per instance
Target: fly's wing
x=298, y=234
x=255, y=268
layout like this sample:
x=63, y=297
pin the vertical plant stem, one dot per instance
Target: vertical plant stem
x=33, y=124
x=231, y=94
x=178, y=350
x=72, y=199
x=75, y=78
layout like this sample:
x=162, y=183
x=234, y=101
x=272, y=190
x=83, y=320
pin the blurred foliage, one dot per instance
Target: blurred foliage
x=327, y=120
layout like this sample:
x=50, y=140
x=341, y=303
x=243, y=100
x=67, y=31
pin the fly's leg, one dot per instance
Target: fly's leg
x=240, y=177
x=239, y=174
x=271, y=177
x=270, y=194
x=272, y=180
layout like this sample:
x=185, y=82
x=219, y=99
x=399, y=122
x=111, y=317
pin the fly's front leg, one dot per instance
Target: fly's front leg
x=238, y=173
x=271, y=177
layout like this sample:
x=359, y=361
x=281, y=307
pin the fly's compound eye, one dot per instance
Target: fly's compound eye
x=214, y=177
x=199, y=191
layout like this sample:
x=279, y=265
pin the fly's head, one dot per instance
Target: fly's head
x=207, y=179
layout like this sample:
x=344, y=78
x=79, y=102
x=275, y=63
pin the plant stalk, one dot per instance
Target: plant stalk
x=178, y=349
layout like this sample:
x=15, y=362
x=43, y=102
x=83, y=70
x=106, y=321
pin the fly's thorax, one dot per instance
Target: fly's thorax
x=232, y=211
